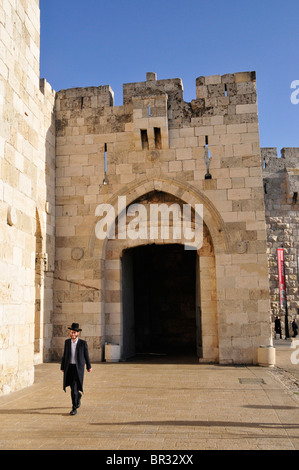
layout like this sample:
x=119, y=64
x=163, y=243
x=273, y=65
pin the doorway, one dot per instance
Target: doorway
x=161, y=315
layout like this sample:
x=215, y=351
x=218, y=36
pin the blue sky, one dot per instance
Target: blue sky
x=96, y=42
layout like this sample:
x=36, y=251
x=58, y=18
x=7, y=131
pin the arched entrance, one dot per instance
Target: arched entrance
x=159, y=301
x=117, y=295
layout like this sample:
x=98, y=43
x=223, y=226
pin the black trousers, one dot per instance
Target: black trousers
x=74, y=382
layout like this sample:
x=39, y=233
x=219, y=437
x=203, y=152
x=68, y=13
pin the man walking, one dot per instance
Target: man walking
x=74, y=358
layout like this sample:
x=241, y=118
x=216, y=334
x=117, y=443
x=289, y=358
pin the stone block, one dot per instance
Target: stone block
x=246, y=109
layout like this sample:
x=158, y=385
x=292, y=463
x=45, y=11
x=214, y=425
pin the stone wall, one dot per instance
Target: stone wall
x=63, y=155
x=27, y=198
x=158, y=142
x=281, y=188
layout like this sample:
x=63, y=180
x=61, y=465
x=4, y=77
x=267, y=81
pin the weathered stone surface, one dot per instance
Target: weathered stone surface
x=281, y=180
x=174, y=166
x=63, y=154
x=27, y=199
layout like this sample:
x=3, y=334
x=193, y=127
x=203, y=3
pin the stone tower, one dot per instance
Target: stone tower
x=281, y=188
x=27, y=197
x=157, y=148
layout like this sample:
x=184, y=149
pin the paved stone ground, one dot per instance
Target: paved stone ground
x=155, y=405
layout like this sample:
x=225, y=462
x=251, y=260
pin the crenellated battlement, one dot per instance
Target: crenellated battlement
x=289, y=158
x=82, y=98
x=215, y=90
x=228, y=93
x=152, y=86
x=232, y=96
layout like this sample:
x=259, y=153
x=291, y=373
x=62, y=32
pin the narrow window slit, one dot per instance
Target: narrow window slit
x=225, y=90
x=105, y=158
x=82, y=102
x=207, y=159
x=158, y=140
x=105, y=180
x=144, y=139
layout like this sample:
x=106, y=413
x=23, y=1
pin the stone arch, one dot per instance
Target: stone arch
x=111, y=273
x=187, y=193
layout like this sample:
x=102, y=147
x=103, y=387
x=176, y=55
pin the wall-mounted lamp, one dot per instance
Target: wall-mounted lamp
x=105, y=180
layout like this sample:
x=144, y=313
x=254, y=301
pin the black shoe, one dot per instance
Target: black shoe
x=73, y=412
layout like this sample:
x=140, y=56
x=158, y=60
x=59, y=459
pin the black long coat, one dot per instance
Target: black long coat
x=82, y=358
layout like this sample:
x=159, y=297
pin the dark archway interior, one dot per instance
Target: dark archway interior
x=163, y=298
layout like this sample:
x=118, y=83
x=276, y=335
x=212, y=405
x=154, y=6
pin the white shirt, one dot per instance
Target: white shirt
x=73, y=351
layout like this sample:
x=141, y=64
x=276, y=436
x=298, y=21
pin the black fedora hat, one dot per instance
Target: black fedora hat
x=74, y=327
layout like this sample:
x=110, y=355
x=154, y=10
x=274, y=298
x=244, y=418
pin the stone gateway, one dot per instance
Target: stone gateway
x=67, y=156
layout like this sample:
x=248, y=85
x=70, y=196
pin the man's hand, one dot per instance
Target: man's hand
x=89, y=370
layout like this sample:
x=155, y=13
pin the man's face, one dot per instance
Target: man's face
x=74, y=335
